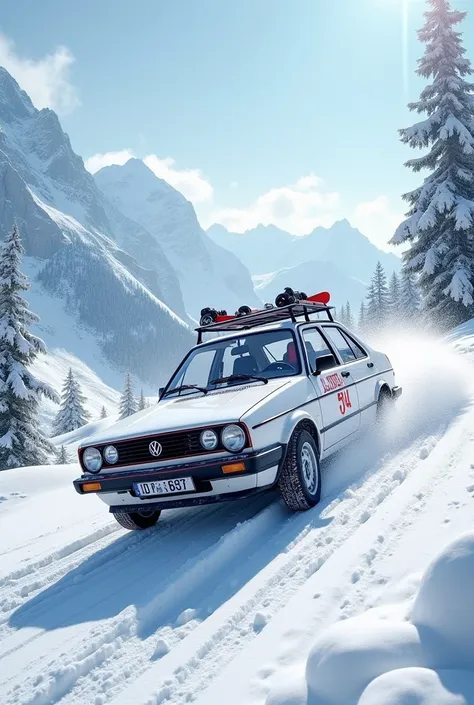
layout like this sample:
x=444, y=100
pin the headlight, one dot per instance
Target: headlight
x=111, y=455
x=233, y=438
x=92, y=459
x=209, y=439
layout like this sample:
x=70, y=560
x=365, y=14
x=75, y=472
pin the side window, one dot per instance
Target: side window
x=355, y=347
x=340, y=343
x=315, y=346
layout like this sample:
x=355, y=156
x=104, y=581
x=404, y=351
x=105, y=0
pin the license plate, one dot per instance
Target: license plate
x=161, y=487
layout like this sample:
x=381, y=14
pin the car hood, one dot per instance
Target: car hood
x=218, y=407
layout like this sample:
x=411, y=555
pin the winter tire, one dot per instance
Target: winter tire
x=137, y=521
x=300, y=480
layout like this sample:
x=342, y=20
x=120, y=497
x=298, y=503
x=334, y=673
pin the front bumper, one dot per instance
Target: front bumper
x=212, y=484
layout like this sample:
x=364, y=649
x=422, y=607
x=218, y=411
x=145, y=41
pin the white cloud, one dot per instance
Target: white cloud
x=190, y=182
x=297, y=208
x=46, y=80
x=98, y=161
x=377, y=220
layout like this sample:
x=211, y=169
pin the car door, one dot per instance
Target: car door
x=335, y=388
x=357, y=361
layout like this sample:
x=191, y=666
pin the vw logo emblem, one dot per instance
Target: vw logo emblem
x=155, y=448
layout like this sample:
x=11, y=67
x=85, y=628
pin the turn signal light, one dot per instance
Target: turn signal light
x=91, y=486
x=233, y=467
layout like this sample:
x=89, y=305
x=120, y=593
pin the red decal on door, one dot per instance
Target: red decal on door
x=332, y=382
x=344, y=399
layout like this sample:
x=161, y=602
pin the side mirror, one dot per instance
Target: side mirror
x=160, y=392
x=324, y=362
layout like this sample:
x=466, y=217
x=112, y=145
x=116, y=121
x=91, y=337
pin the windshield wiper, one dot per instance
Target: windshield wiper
x=239, y=378
x=184, y=387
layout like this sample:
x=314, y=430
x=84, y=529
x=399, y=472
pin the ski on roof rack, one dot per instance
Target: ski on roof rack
x=219, y=321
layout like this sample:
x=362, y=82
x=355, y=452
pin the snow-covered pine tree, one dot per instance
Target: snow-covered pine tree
x=72, y=413
x=440, y=223
x=141, y=401
x=362, y=315
x=341, y=315
x=394, y=298
x=377, y=300
x=62, y=456
x=103, y=413
x=128, y=403
x=349, y=318
x=21, y=440
x=410, y=299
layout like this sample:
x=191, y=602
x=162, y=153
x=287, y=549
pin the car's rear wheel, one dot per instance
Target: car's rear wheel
x=300, y=480
x=137, y=521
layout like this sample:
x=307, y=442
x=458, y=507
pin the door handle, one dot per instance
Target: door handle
x=370, y=364
x=345, y=374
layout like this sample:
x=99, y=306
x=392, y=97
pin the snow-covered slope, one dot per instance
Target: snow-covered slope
x=83, y=245
x=312, y=277
x=209, y=275
x=226, y=603
x=267, y=248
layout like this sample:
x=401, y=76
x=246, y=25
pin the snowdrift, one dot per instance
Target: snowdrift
x=425, y=657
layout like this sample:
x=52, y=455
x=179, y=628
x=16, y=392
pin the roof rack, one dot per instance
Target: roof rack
x=272, y=315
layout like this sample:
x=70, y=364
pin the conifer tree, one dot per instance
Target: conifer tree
x=128, y=403
x=72, y=413
x=21, y=440
x=394, y=297
x=141, y=401
x=349, y=319
x=362, y=315
x=410, y=299
x=103, y=413
x=377, y=299
x=62, y=456
x=440, y=224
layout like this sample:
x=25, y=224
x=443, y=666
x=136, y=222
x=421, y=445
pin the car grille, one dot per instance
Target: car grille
x=180, y=444
x=174, y=445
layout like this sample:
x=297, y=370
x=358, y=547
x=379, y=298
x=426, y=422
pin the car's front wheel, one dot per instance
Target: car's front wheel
x=137, y=521
x=300, y=479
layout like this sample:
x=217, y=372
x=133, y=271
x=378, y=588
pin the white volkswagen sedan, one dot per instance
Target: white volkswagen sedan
x=256, y=408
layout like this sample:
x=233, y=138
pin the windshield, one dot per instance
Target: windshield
x=237, y=360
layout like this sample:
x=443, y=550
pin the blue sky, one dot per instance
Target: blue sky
x=258, y=110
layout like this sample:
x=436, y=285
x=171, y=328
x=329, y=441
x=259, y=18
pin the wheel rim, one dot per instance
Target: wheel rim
x=309, y=466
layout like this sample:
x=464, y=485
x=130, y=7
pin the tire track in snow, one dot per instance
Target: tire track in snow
x=94, y=639
x=191, y=666
x=98, y=560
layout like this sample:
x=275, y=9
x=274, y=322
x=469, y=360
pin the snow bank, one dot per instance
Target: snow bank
x=350, y=654
x=421, y=686
x=426, y=658
x=444, y=604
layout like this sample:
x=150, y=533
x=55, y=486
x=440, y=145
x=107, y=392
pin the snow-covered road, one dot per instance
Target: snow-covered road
x=222, y=604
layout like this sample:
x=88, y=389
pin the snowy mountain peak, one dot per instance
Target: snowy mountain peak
x=105, y=270
x=208, y=274
x=14, y=103
x=267, y=249
x=135, y=182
